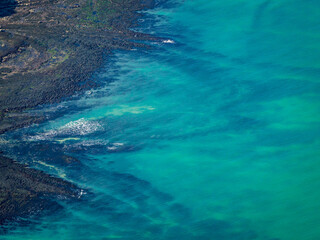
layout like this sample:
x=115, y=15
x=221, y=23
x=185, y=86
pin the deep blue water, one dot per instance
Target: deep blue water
x=7, y=7
x=211, y=134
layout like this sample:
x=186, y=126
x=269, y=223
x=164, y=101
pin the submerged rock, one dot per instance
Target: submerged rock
x=25, y=191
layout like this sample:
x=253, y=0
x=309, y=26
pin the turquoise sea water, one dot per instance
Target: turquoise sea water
x=211, y=135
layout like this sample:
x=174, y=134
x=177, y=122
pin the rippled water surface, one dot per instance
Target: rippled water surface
x=212, y=134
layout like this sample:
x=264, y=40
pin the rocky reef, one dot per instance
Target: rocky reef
x=49, y=50
x=49, y=47
x=25, y=191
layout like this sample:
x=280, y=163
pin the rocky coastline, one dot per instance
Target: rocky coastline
x=49, y=50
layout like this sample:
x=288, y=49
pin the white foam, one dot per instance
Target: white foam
x=89, y=143
x=82, y=192
x=115, y=146
x=118, y=144
x=112, y=148
x=74, y=128
x=86, y=144
x=3, y=141
x=169, y=41
x=80, y=127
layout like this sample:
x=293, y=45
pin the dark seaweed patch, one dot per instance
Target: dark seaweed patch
x=7, y=7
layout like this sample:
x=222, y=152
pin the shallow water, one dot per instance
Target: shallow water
x=212, y=134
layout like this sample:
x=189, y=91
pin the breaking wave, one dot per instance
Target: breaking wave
x=79, y=127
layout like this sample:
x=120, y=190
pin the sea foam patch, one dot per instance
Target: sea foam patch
x=169, y=41
x=79, y=127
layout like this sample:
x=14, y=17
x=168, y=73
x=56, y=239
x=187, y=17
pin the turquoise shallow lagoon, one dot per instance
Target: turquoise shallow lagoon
x=213, y=134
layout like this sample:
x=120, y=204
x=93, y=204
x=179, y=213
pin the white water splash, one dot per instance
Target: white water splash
x=79, y=127
x=169, y=41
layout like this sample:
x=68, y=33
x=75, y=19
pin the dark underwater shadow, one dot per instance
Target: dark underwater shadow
x=7, y=7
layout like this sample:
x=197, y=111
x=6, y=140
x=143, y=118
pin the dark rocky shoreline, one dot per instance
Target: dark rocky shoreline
x=49, y=50
x=25, y=191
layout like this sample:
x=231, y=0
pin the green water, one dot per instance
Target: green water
x=214, y=136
